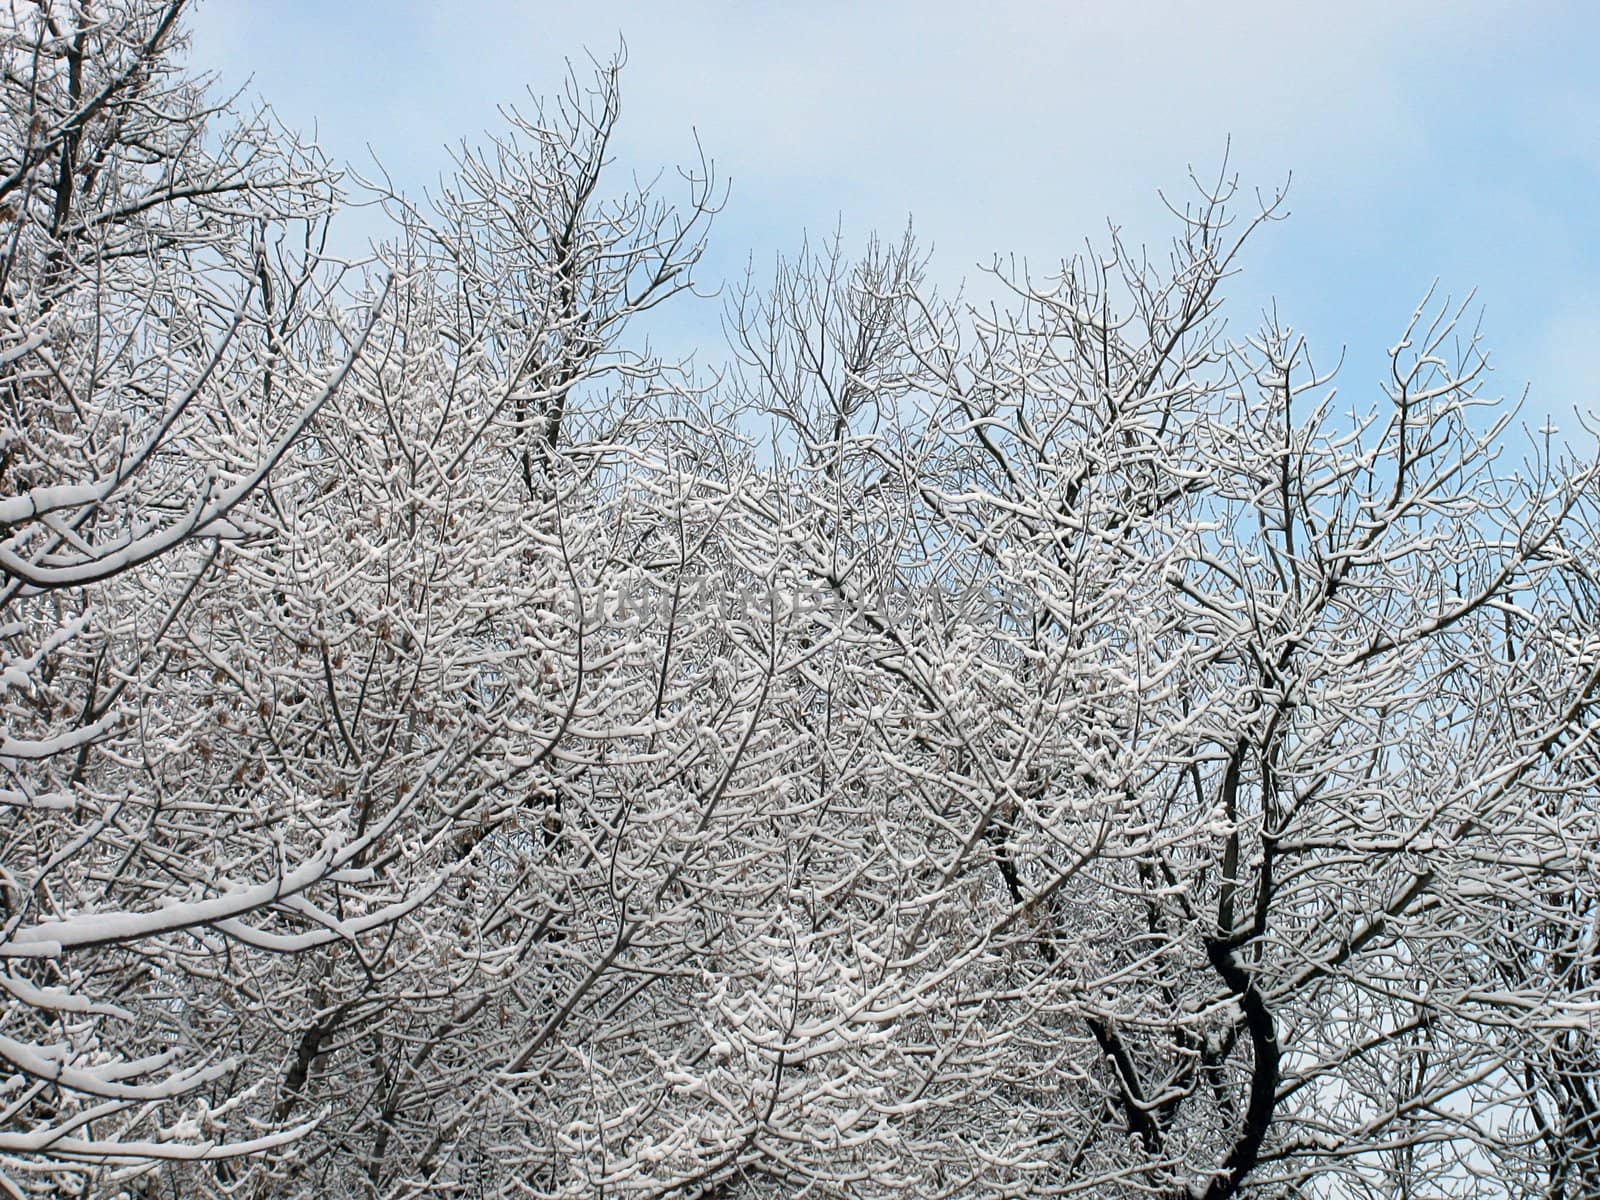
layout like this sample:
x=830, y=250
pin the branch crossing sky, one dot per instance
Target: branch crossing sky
x=1457, y=142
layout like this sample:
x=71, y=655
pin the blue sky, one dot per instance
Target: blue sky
x=1458, y=142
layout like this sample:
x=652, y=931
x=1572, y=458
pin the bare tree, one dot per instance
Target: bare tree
x=166, y=340
x=1045, y=750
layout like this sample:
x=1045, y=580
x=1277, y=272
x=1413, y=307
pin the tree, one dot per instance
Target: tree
x=1045, y=751
x=437, y=640
x=1267, y=729
x=166, y=339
